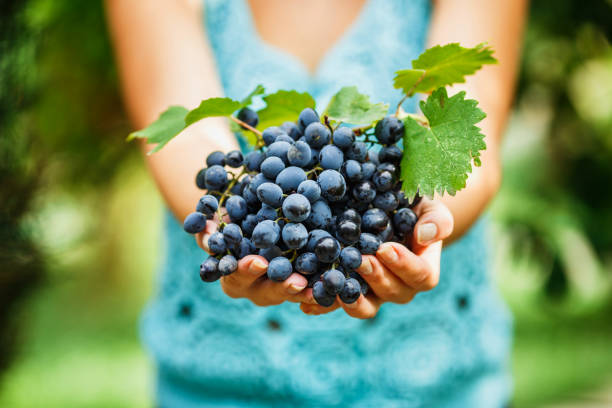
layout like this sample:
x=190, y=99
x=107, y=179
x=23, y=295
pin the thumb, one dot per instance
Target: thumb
x=435, y=222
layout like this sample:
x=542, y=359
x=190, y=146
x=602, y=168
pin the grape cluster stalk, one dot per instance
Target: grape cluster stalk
x=311, y=199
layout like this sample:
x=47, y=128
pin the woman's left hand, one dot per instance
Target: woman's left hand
x=396, y=274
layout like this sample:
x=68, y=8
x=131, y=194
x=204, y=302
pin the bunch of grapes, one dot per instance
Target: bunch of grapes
x=310, y=199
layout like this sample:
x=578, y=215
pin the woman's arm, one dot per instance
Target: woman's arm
x=470, y=22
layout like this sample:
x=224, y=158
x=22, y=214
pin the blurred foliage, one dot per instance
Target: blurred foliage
x=70, y=181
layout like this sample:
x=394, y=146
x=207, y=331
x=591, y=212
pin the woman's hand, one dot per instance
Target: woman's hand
x=250, y=280
x=396, y=274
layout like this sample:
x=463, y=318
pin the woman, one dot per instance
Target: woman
x=214, y=344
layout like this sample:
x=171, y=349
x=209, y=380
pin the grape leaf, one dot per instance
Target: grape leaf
x=438, y=158
x=212, y=107
x=442, y=65
x=283, y=106
x=350, y=106
x=169, y=124
x=259, y=90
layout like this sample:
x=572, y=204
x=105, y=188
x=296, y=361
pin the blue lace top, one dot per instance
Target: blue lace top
x=447, y=348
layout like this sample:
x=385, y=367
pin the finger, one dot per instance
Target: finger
x=202, y=237
x=250, y=269
x=420, y=272
x=435, y=223
x=304, y=296
x=269, y=292
x=317, y=309
x=365, y=307
x=383, y=282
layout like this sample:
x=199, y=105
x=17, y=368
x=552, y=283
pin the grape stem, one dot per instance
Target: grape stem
x=260, y=142
x=409, y=94
x=361, y=129
x=227, y=193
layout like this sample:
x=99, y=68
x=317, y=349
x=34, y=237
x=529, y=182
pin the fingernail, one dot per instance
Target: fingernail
x=366, y=267
x=256, y=267
x=426, y=233
x=295, y=288
x=387, y=253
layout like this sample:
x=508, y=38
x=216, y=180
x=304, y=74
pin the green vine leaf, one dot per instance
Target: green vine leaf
x=441, y=66
x=169, y=124
x=439, y=158
x=259, y=90
x=350, y=106
x=212, y=107
x=283, y=106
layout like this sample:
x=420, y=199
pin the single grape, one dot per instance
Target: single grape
x=299, y=154
x=333, y=186
x=320, y=215
x=270, y=134
x=279, y=269
x=390, y=154
x=364, y=192
x=343, y=137
x=216, y=243
x=236, y=207
x=350, y=258
x=317, y=135
x=209, y=270
x=386, y=201
x=321, y=296
x=389, y=130
x=358, y=151
x=234, y=159
x=253, y=160
x=307, y=116
x=248, y=224
x=314, y=158
x=292, y=130
x=327, y=249
x=349, y=215
x=266, y=213
x=383, y=180
x=402, y=199
x=314, y=236
x=201, y=179
x=207, y=205
x=333, y=281
x=271, y=194
x=232, y=234
x=331, y=157
x=290, y=178
x=216, y=178
x=348, y=232
x=374, y=220
x=307, y=263
x=367, y=170
x=373, y=157
x=194, y=223
x=404, y=221
x=296, y=207
x=368, y=243
x=295, y=235
x=216, y=158
x=280, y=150
x=249, y=117
x=271, y=166
x=265, y=234
x=351, y=170
x=228, y=265
x=244, y=248
x=390, y=167
x=270, y=253
x=310, y=189
x=350, y=291
x=251, y=199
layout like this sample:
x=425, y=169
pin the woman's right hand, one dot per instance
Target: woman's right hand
x=250, y=280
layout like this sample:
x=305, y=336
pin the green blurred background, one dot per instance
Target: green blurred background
x=80, y=218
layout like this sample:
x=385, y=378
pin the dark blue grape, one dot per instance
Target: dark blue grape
x=232, y=234
x=374, y=220
x=358, y=151
x=310, y=189
x=251, y=199
x=216, y=158
x=265, y=234
x=292, y=130
x=290, y=178
x=270, y=253
x=351, y=291
x=285, y=138
x=207, y=205
x=299, y=154
x=194, y=222
x=333, y=281
x=357, y=205
x=307, y=263
x=236, y=207
x=238, y=187
x=228, y=265
x=368, y=243
x=244, y=248
x=314, y=236
x=266, y=213
x=389, y=130
x=327, y=249
x=333, y=186
x=343, y=137
x=383, y=180
x=257, y=181
x=271, y=166
x=234, y=159
x=390, y=167
x=209, y=270
x=249, y=117
x=350, y=258
x=201, y=179
x=307, y=116
x=279, y=269
x=317, y=135
x=390, y=154
x=296, y=208
x=404, y=221
x=321, y=296
x=331, y=157
x=373, y=157
x=351, y=170
x=216, y=243
x=295, y=235
x=271, y=194
x=280, y=150
x=253, y=160
x=364, y=285
x=216, y=178
x=349, y=215
x=348, y=232
x=386, y=201
x=314, y=158
x=364, y=192
x=367, y=170
x=248, y=224
x=386, y=234
x=320, y=215
x=270, y=134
